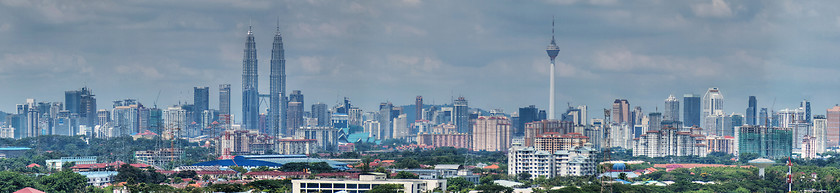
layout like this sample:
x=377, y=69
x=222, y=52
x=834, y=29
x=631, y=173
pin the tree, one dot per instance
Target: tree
x=493, y=188
x=64, y=181
x=240, y=169
x=457, y=184
x=227, y=187
x=186, y=174
x=524, y=176
x=386, y=188
x=407, y=163
x=366, y=164
x=486, y=180
x=12, y=181
x=405, y=175
x=622, y=176
x=271, y=185
x=261, y=169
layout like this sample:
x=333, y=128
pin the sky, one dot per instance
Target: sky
x=490, y=52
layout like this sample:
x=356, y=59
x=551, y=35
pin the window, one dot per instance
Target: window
x=338, y=185
x=312, y=185
x=352, y=186
x=364, y=186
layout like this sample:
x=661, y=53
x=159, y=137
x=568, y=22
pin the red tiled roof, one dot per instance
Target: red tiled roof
x=275, y=173
x=223, y=172
x=334, y=174
x=29, y=190
x=33, y=165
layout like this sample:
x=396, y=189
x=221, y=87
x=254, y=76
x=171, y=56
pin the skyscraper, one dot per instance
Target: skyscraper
x=751, y=109
x=819, y=132
x=712, y=103
x=526, y=115
x=319, y=111
x=832, y=117
x=491, y=134
x=201, y=100
x=294, y=113
x=461, y=115
x=552, y=51
x=224, y=99
x=278, y=85
x=805, y=104
x=418, y=108
x=83, y=103
x=250, y=94
x=621, y=111
x=691, y=110
x=672, y=109
x=385, y=118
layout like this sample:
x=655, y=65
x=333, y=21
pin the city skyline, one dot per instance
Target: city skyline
x=490, y=55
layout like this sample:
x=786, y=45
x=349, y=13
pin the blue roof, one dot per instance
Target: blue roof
x=14, y=148
x=98, y=174
x=270, y=161
x=361, y=137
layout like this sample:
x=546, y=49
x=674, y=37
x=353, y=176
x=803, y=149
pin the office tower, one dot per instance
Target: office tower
x=250, y=94
x=712, y=103
x=820, y=132
x=294, y=112
x=320, y=112
x=636, y=116
x=491, y=134
x=224, y=99
x=552, y=51
x=773, y=142
x=691, y=110
x=418, y=108
x=526, y=115
x=832, y=117
x=372, y=127
x=385, y=118
x=83, y=103
x=355, y=116
x=751, y=109
x=537, y=128
x=460, y=116
x=201, y=100
x=763, y=117
x=577, y=115
x=32, y=116
x=806, y=105
x=277, y=103
x=621, y=111
x=654, y=121
x=672, y=109
x=156, y=120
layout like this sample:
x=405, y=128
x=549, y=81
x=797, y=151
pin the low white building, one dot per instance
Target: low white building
x=99, y=178
x=366, y=183
x=578, y=161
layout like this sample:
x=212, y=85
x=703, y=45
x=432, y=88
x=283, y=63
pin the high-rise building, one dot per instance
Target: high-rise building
x=224, y=99
x=712, y=103
x=806, y=105
x=83, y=103
x=418, y=108
x=670, y=142
x=277, y=84
x=401, y=130
x=174, y=122
x=461, y=115
x=294, y=112
x=751, y=109
x=126, y=119
x=385, y=119
x=637, y=116
x=621, y=111
x=552, y=51
x=578, y=161
x=32, y=122
x=491, y=134
x=320, y=112
x=201, y=100
x=763, y=117
x=526, y=115
x=537, y=128
x=672, y=109
x=773, y=142
x=832, y=117
x=691, y=110
x=819, y=132
x=250, y=86
x=654, y=121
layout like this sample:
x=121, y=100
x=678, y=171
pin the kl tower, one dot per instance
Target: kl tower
x=552, y=51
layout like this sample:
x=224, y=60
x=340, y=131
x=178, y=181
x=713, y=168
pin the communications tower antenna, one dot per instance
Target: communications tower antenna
x=605, y=147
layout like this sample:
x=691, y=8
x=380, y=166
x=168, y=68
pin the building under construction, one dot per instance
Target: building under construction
x=766, y=142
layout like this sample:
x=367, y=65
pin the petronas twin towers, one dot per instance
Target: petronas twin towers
x=277, y=81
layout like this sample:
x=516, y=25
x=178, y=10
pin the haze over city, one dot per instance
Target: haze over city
x=372, y=52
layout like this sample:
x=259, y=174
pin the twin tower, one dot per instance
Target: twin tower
x=277, y=92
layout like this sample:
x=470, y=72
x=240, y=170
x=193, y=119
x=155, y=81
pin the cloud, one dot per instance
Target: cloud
x=716, y=9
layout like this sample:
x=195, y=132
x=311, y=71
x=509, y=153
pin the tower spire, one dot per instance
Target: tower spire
x=278, y=25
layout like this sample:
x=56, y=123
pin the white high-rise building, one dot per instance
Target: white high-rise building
x=712, y=104
x=578, y=161
x=820, y=130
x=671, y=142
x=174, y=122
x=672, y=109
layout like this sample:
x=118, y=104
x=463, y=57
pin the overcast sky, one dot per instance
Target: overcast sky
x=491, y=52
